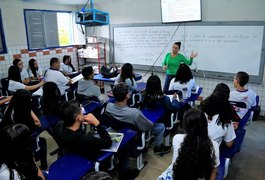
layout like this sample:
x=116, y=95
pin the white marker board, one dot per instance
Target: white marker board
x=223, y=48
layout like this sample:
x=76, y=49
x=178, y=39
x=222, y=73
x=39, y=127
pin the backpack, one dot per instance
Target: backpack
x=108, y=72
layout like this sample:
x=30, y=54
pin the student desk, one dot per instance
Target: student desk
x=99, y=77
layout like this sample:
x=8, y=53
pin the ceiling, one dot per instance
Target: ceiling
x=70, y=2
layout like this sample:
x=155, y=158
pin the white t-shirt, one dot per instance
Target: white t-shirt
x=38, y=71
x=14, y=85
x=248, y=96
x=24, y=74
x=177, y=86
x=177, y=141
x=5, y=174
x=218, y=133
x=58, y=78
x=66, y=68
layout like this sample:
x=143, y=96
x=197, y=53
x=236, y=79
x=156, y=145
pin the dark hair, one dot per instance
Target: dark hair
x=153, y=91
x=53, y=61
x=15, y=152
x=183, y=74
x=120, y=92
x=32, y=67
x=178, y=43
x=19, y=110
x=196, y=158
x=14, y=74
x=16, y=61
x=87, y=71
x=126, y=72
x=65, y=57
x=218, y=103
x=242, y=78
x=70, y=111
x=51, y=99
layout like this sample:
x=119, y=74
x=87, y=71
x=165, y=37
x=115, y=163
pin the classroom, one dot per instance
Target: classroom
x=62, y=54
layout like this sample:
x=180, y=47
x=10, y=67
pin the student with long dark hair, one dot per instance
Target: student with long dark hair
x=34, y=70
x=127, y=77
x=24, y=74
x=15, y=81
x=219, y=115
x=20, y=111
x=16, y=158
x=66, y=66
x=51, y=99
x=195, y=155
x=183, y=81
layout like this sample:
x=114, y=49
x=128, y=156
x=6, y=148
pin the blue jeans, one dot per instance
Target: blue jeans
x=158, y=132
x=167, y=81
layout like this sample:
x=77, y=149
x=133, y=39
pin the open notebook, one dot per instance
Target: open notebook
x=116, y=141
x=77, y=78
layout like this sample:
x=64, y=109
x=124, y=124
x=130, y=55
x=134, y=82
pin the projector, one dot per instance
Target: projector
x=92, y=17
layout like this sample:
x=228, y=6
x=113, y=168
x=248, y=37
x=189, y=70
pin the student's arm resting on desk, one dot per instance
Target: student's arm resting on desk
x=3, y=101
x=29, y=88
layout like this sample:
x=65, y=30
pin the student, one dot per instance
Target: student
x=66, y=66
x=219, y=115
x=19, y=110
x=54, y=75
x=183, y=81
x=87, y=86
x=120, y=111
x=51, y=99
x=16, y=158
x=242, y=94
x=34, y=71
x=195, y=156
x=24, y=74
x=15, y=82
x=127, y=77
x=172, y=61
x=74, y=139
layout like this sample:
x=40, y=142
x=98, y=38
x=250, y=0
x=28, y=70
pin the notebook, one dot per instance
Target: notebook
x=77, y=78
x=116, y=141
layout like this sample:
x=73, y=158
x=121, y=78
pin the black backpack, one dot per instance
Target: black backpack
x=108, y=72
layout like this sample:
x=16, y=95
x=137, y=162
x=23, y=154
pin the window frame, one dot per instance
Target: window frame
x=42, y=10
x=2, y=34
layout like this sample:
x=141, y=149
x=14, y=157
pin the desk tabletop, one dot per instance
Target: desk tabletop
x=99, y=77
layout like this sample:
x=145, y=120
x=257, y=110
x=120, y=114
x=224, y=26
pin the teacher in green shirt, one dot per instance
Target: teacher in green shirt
x=172, y=61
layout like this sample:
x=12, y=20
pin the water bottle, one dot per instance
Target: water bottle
x=185, y=93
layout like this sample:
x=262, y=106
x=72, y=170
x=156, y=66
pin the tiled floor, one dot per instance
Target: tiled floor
x=246, y=165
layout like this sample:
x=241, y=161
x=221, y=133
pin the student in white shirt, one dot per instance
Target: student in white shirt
x=195, y=155
x=54, y=75
x=183, y=81
x=15, y=81
x=127, y=77
x=219, y=115
x=34, y=71
x=242, y=94
x=66, y=66
x=23, y=73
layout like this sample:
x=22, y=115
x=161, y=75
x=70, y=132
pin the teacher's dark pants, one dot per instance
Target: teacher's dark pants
x=167, y=81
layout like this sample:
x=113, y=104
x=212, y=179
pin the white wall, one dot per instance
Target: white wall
x=148, y=11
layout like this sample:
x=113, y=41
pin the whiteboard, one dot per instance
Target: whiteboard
x=223, y=49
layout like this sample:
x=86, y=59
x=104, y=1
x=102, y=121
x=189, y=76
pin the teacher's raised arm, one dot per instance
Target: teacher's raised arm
x=172, y=61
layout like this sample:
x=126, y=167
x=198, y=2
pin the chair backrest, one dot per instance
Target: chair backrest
x=171, y=92
x=4, y=83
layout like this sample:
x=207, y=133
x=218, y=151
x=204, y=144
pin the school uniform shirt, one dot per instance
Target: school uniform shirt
x=5, y=174
x=14, y=86
x=131, y=85
x=24, y=74
x=65, y=68
x=38, y=72
x=219, y=133
x=248, y=96
x=178, y=139
x=58, y=78
x=191, y=85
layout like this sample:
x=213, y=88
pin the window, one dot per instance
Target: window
x=46, y=29
x=2, y=37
